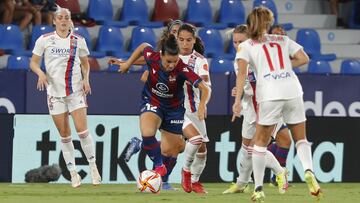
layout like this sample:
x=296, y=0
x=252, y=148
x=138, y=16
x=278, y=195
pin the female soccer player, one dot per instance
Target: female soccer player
x=278, y=92
x=163, y=97
x=248, y=127
x=67, y=84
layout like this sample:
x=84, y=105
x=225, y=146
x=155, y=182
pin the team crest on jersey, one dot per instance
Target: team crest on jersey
x=206, y=67
x=172, y=78
x=185, y=70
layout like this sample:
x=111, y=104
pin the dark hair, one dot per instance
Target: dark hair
x=166, y=31
x=276, y=26
x=169, y=46
x=199, y=45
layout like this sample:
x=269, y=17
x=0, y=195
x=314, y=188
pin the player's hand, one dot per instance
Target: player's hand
x=233, y=92
x=42, y=82
x=124, y=67
x=115, y=61
x=86, y=87
x=202, y=114
x=236, y=110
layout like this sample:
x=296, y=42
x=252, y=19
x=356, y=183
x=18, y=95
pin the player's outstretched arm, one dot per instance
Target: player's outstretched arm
x=134, y=56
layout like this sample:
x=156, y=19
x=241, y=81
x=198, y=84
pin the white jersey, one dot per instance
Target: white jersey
x=275, y=77
x=200, y=66
x=62, y=62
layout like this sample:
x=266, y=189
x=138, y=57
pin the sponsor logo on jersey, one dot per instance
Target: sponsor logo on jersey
x=176, y=121
x=162, y=87
x=60, y=51
x=277, y=76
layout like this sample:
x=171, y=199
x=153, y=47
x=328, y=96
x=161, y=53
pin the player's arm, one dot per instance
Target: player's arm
x=144, y=76
x=134, y=56
x=240, y=82
x=204, y=99
x=35, y=67
x=85, y=70
x=299, y=58
x=114, y=61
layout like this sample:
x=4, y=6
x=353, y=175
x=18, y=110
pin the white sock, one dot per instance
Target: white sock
x=88, y=147
x=273, y=163
x=245, y=165
x=258, y=160
x=68, y=151
x=198, y=166
x=191, y=147
x=303, y=148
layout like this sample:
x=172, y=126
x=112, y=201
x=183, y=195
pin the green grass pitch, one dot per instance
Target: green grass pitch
x=62, y=193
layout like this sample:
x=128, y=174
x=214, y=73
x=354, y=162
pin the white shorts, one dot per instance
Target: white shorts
x=59, y=105
x=192, y=118
x=290, y=111
x=248, y=129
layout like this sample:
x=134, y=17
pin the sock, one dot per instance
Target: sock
x=87, y=145
x=198, y=166
x=281, y=155
x=191, y=147
x=245, y=165
x=272, y=148
x=272, y=163
x=67, y=148
x=303, y=148
x=169, y=163
x=259, y=160
x=152, y=148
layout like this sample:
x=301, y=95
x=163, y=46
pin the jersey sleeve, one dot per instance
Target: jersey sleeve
x=191, y=76
x=147, y=53
x=203, y=67
x=83, y=49
x=293, y=47
x=242, y=52
x=39, y=47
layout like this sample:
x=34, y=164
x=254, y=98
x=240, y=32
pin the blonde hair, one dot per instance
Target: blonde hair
x=259, y=22
x=242, y=29
x=60, y=10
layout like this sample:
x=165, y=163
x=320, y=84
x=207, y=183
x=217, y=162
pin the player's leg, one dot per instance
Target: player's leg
x=60, y=115
x=197, y=168
x=78, y=110
x=294, y=116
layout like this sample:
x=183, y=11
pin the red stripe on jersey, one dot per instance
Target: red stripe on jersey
x=190, y=92
x=70, y=64
x=279, y=54
x=268, y=58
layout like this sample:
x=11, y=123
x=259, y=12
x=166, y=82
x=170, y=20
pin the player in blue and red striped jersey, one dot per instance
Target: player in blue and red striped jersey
x=162, y=105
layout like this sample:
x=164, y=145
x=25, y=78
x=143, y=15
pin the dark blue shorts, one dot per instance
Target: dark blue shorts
x=172, y=120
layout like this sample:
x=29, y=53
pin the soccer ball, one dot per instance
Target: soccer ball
x=149, y=181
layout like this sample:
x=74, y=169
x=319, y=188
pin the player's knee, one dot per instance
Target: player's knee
x=202, y=148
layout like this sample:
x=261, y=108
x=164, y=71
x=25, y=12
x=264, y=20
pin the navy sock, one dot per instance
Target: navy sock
x=152, y=148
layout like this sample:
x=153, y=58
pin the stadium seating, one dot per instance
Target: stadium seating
x=232, y=12
x=72, y=5
x=18, y=62
x=310, y=40
x=111, y=41
x=354, y=19
x=85, y=33
x=270, y=4
x=214, y=45
x=140, y=35
x=135, y=12
x=319, y=67
x=101, y=11
x=164, y=10
x=37, y=31
x=221, y=65
x=199, y=12
x=350, y=66
x=12, y=40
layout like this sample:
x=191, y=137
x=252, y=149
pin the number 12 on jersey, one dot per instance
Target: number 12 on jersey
x=268, y=58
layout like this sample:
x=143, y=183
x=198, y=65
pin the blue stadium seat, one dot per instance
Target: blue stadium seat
x=270, y=4
x=221, y=65
x=319, y=67
x=310, y=40
x=213, y=42
x=140, y=35
x=37, y=31
x=18, y=63
x=111, y=41
x=354, y=19
x=12, y=41
x=232, y=12
x=83, y=31
x=350, y=66
x=102, y=12
x=199, y=12
x=135, y=12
